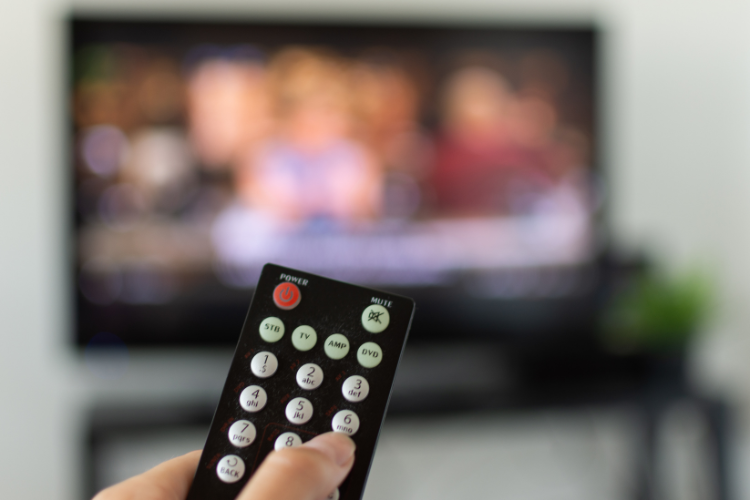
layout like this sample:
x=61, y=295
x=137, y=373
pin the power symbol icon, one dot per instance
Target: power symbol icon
x=286, y=296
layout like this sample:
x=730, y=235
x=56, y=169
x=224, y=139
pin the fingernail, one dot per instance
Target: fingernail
x=338, y=447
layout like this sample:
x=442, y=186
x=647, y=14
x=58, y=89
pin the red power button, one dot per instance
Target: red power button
x=286, y=296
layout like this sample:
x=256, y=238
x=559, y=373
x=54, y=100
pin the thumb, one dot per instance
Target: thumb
x=309, y=472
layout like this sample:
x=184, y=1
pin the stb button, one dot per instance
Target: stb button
x=286, y=296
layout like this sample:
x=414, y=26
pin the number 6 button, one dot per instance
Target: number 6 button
x=355, y=388
x=345, y=421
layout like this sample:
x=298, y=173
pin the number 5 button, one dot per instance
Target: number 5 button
x=355, y=388
x=299, y=411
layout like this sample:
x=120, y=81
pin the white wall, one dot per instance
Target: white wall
x=678, y=103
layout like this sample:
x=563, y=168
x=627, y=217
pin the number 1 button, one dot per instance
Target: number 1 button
x=264, y=364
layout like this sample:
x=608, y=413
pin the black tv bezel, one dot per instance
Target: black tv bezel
x=512, y=319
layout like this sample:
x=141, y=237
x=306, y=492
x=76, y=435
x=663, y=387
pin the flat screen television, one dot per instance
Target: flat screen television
x=454, y=162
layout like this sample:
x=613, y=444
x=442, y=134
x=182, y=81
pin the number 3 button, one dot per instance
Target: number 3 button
x=355, y=388
x=345, y=421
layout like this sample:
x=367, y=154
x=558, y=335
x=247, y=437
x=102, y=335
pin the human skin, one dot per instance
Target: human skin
x=309, y=472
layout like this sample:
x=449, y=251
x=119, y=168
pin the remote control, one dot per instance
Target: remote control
x=315, y=355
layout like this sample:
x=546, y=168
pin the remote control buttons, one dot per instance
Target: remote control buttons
x=334, y=495
x=355, y=388
x=271, y=329
x=264, y=364
x=230, y=469
x=304, y=338
x=369, y=355
x=286, y=296
x=242, y=433
x=253, y=398
x=299, y=411
x=336, y=346
x=287, y=440
x=375, y=318
x=309, y=376
x=345, y=421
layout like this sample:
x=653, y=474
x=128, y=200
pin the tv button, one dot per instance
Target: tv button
x=286, y=296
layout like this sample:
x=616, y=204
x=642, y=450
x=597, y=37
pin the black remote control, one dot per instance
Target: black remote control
x=314, y=355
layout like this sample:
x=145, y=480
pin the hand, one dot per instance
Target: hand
x=318, y=467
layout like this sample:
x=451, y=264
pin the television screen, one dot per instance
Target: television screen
x=391, y=155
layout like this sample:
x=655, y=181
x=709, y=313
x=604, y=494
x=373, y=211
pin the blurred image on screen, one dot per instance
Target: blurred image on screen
x=402, y=157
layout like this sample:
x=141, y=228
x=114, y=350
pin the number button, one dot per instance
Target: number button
x=287, y=440
x=242, y=433
x=309, y=376
x=304, y=338
x=299, y=411
x=253, y=398
x=345, y=421
x=336, y=346
x=230, y=469
x=264, y=364
x=271, y=329
x=355, y=388
x=334, y=495
x=375, y=318
x=369, y=355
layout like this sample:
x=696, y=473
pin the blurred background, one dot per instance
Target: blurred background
x=561, y=184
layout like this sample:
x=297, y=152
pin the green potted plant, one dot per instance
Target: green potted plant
x=658, y=315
